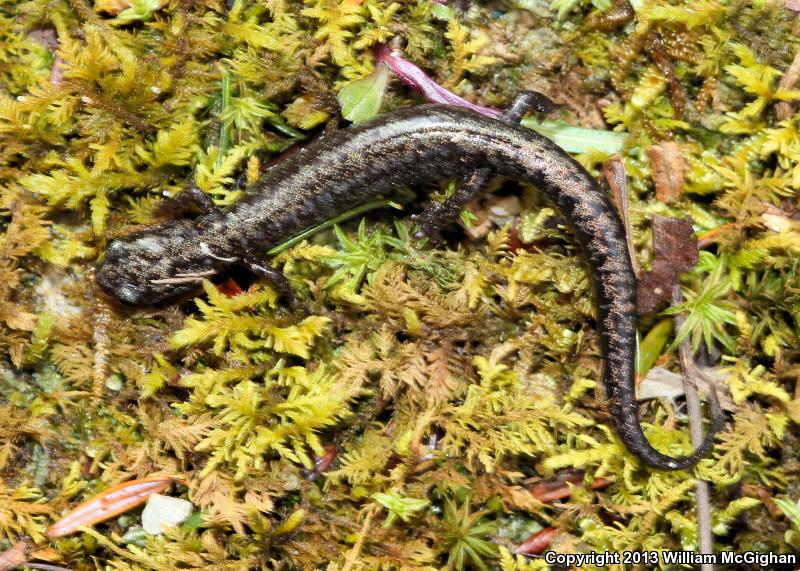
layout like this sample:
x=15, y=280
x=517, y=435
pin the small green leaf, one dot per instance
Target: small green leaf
x=361, y=99
x=652, y=345
x=192, y=522
x=722, y=520
x=577, y=139
x=467, y=218
x=442, y=12
x=140, y=10
x=399, y=506
x=791, y=510
x=291, y=523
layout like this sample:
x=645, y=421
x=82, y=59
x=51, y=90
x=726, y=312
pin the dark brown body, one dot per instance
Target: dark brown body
x=406, y=147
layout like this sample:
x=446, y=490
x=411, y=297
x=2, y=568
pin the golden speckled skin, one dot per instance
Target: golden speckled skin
x=406, y=147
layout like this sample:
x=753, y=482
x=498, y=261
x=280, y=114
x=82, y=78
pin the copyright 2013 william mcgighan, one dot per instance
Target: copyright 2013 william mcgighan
x=604, y=558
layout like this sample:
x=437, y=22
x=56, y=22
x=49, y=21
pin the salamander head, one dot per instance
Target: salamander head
x=156, y=264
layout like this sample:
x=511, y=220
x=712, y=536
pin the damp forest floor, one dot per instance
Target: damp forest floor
x=430, y=405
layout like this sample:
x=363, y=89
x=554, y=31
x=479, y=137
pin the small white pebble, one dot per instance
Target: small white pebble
x=506, y=206
x=155, y=89
x=164, y=511
x=114, y=382
x=86, y=99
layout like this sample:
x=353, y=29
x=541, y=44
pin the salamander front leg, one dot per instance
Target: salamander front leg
x=274, y=277
x=193, y=196
x=438, y=214
x=188, y=197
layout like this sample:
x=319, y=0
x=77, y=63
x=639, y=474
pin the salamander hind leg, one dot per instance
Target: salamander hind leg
x=188, y=198
x=437, y=215
x=275, y=278
x=529, y=100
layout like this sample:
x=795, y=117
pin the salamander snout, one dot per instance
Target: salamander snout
x=152, y=266
x=114, y=277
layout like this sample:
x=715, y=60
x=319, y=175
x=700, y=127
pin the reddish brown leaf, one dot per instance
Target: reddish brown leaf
x=109, y=503
x=765, y=495
x=562, y=486
x=537, y=542
x=674, y=240
x=514, y=242
x=229, y=287
x=600, y=483
x=321, y=463
x=557, y=489
x=545, y=493
x=655, y=286
x=675, y=246
x=669, y=166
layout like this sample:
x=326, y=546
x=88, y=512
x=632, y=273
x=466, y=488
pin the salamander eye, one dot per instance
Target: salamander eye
x=115, y=248
x=128, y=293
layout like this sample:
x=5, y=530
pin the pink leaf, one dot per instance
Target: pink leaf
x=417, y=79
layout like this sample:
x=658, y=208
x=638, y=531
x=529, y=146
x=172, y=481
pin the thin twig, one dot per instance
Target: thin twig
x=102, y=340
x=15, y=556
x=46, y=567
x=696, y=429
x=784, y=109
x=355, y=552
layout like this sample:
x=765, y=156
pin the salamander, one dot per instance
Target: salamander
x=409, y=146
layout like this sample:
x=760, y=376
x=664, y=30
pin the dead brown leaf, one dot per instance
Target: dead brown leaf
x=668, y=166
x=676, y=250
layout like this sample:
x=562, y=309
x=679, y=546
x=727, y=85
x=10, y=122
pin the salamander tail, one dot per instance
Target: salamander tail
x=629, y=426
